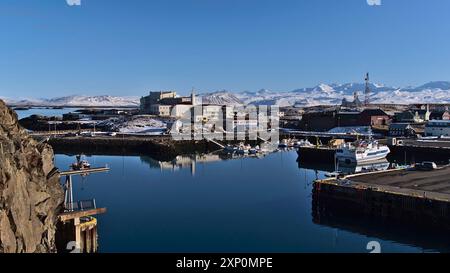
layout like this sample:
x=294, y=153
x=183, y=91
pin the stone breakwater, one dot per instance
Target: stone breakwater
x=30, y=194
x=163, y=149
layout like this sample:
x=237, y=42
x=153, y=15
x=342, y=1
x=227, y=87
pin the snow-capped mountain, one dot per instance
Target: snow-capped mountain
x=83, y=101
x=439, y=85
x=322, y=94
x=220, y=98
x=332, y=94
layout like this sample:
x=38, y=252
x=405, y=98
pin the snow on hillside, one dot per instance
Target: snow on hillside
x=332, y=94
x=220, y=98
x=322, y=94
x=100, y=101
x=95, y=101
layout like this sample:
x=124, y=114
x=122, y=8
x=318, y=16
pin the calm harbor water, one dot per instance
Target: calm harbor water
x=44, y=111
x=211, y=205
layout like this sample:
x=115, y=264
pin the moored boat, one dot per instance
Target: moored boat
x=362, y=151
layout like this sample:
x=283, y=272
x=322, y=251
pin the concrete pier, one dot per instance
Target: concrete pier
x=396, y=194
x=163, y=148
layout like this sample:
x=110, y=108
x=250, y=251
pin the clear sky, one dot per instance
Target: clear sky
x=128, y=47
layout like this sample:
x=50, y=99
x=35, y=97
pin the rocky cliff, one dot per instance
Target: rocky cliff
x=30, y=193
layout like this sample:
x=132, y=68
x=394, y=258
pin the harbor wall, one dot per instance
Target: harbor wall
x=336, y=199
x=160, y=148
x=333, y=212
x=415, y=154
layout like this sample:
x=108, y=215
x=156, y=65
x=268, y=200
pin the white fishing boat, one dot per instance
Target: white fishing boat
x=362, y=151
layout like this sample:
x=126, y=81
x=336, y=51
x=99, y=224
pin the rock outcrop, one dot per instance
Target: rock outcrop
x=30, y=193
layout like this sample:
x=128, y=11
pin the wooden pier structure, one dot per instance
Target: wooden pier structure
x=77, y=228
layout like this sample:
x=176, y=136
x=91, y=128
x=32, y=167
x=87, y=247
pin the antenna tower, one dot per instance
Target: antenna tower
x=367, y=91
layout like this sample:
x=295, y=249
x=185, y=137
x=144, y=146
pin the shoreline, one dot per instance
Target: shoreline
x=160, y=148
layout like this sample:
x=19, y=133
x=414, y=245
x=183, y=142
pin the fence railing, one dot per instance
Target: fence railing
x=81, y=205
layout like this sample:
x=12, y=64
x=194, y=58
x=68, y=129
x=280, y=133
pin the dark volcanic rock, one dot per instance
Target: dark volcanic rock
x=30, y=193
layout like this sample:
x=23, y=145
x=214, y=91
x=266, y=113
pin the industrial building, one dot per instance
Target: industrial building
x=166, y=103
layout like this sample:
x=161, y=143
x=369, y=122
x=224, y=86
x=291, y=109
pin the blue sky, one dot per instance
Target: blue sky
x=118, y=47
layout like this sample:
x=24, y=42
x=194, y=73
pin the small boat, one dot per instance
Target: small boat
x=80, y=164
x=362, y=151
x=254, y=150
x=230, y=149
x=302, y=143
x=243, y=149
x=284, y=144
x=333, y=174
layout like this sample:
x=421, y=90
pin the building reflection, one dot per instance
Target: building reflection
x=191, y=161
x=181, y=162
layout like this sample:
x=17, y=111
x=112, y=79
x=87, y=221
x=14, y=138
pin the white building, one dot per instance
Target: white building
x=160, y=110
x=437, y=128
x=180, y=110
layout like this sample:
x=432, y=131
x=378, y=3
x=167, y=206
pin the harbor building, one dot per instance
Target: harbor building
x=356, y=103
x=166, y=103
x=440, y=115
x=326, y=120
x=402, y=130
x=437, y=128
x=161, y=110
x=417, y=115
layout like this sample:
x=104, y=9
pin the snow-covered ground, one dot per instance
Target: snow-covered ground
x=136, y=125
x=364, y=130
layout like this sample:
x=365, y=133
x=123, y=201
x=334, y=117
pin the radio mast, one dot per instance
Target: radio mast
x=367, y=91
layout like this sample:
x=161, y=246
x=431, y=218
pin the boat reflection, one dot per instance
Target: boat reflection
x=346, y=168
x=380, y=165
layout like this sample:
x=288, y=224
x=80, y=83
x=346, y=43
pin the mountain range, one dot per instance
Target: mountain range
x=322, y=94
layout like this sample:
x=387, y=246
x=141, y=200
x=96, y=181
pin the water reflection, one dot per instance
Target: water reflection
x=43, y=111
x=232, y=204
x=380, y=165
x=191, y=161
x=346, y=168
